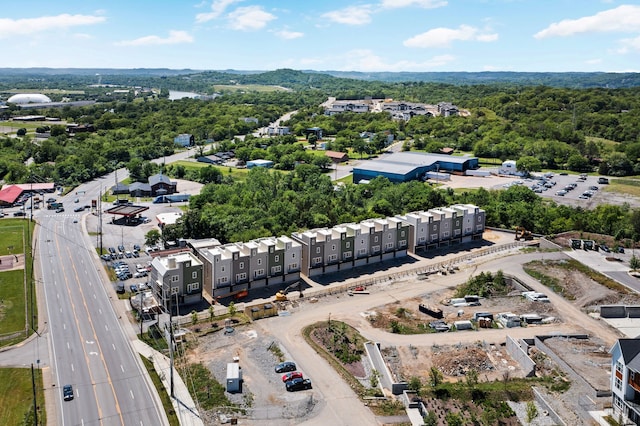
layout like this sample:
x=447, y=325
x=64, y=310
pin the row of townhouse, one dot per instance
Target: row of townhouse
x=244, y=266
x=398, y=109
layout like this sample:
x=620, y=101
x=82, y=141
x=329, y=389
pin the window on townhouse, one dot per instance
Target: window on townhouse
x=223, y=280
x=222, y=269
x=375, y=249
x=276, y=270
x=293, y=266
x=346, y=255
x=422, y=239
x=194, y=275
x=241, y=277
x=333, y=257
x=446, y=225
x=317, y=260
x=333, y=247
x=402, y=243
x=174, y=291
x=446, y=234
x=258, y=273
x=361, y=241
x=293, y=255
x=389, y=236
x=175, y=278
x=259, y=261
x=388, y=246
x=434, y=237
x=362, y=252
x=241, y=265
x=402, y=233
x=193, y=287
x=375, y=239
x=276, y=258
x=347, y=245
x=479, y=219
x=317, y=250
x=618, y=383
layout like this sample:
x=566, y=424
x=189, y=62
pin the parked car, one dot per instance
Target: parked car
x=111, y=250
x=605, y=248
x=292, y=375
x=120, y=288
x=128, y=254
x=19, y=213
x=561, y=193
x=78, y=209
x=140, y=274
x=298, y=384
x=283, y=367
x=59, y=209
x=133, y=288
x=136, y=247
x=121, y=248
x=67, y=392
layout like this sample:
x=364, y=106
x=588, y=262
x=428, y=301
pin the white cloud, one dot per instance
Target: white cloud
x=352, y=15
x=442, y=37
x=18, y=27
x=289, y=35
x=175, y=37
x=249, y=18
x=629, y=44
x=217, y=8
x=595, y=61
x=366, y=60
x=426, y=4
x=625, y=18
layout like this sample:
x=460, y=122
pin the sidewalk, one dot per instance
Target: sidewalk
x=183, y=404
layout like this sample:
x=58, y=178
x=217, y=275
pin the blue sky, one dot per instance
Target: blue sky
x=347, y=35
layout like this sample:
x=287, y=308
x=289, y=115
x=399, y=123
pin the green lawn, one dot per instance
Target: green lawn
x=248, y=88
x=13, y=300
x=623, y=186
x=239, y=174
x=16, y=397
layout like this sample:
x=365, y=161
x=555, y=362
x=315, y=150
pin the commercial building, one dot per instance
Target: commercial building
x=407, y=166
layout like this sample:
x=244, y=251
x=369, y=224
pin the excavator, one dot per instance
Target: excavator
x=281, y=295
x=523, y=234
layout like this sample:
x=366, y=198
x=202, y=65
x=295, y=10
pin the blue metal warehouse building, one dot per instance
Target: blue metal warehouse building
x=406, y=166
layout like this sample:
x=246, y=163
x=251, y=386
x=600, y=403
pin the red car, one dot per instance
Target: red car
x=291, y=376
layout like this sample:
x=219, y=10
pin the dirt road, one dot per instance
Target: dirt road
x=340, y=399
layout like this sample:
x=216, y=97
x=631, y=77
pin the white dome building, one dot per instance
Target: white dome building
x=29, y=98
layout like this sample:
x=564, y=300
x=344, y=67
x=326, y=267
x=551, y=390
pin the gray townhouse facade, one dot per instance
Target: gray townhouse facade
x=350, y=245
x=236, y=267
x=177, y=279
x=459, y=223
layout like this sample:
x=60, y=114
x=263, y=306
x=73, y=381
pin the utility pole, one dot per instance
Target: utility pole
x=170, y=344
x=35, y=401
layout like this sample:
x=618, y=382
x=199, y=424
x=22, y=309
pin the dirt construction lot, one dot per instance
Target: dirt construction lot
x=453, y=353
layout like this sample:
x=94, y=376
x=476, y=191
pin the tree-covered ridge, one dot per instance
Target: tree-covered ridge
x=187, y=79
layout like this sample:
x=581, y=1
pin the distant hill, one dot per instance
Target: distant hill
x=308, y=78
x=556, y=79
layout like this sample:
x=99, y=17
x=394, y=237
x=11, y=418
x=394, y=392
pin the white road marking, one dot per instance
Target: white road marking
x=131, y=392
x=72, y=368
x=114, y=346
x=106, y=328
x=122, y=368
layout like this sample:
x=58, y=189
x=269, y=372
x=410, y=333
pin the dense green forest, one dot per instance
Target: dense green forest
x=581, y=129
x=277, y=203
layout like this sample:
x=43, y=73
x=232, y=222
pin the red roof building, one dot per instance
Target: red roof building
x=337, y=157
x=9, y=194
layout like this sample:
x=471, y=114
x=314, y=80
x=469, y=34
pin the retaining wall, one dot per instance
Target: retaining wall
x=518, y=350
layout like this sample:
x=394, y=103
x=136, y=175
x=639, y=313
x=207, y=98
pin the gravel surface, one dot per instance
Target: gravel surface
x=263, y=392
